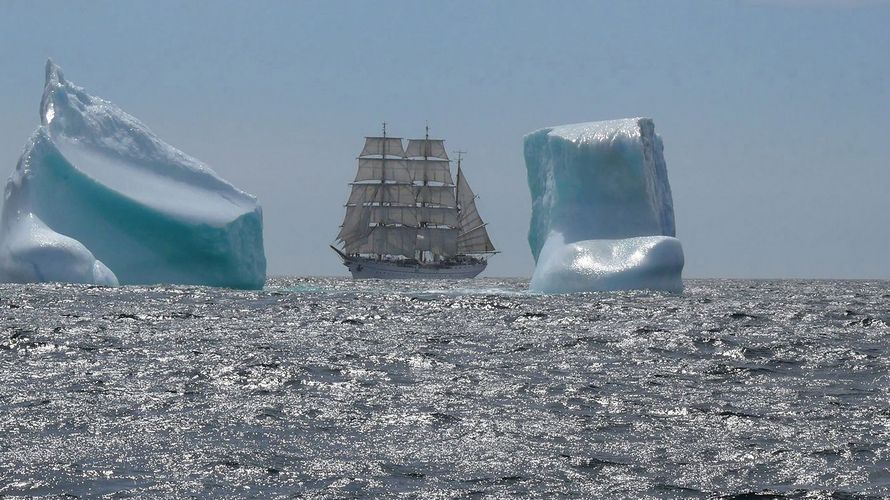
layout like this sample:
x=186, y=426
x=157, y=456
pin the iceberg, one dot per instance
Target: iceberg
x=602, y=214
x=97, y=198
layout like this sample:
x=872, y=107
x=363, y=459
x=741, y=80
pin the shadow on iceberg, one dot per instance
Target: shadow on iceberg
x=602, y=213
x=97, y=198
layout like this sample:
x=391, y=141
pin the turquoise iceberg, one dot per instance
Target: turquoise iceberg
x=602, y=212
x=97, y=198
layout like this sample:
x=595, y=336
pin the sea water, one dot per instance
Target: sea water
x=329, y=387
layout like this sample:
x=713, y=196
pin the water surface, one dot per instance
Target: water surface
x=329, y=387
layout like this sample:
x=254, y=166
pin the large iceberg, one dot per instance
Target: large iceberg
x=97, y=198
x=602, y=214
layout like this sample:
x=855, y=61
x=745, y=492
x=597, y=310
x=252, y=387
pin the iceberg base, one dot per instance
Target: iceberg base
x=30, y=252
x=640, y=263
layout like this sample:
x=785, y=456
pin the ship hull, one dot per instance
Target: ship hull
x=364, y=268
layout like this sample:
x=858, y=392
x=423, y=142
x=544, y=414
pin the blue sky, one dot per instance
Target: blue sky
x=774, y=114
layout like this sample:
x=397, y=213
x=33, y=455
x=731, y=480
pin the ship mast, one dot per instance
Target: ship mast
x=460, y=155
x=382, y=189
x=436, y=207
x=425, y=182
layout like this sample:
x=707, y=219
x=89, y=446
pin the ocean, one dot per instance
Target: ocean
x=329, y=387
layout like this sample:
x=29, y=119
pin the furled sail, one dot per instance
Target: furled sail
x=473, y=237
x=379, y=146
x=426, y=148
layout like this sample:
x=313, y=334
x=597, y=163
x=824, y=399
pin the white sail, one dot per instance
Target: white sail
x=430, y=171
x=439, y=216
x=474, y=241
x=398, y=194
x=405, y=241
x=427, y=148
x=439, y=241
x=357, y=216
x=379, y=146
x=436, y=195
x=363, y=193
x=386, y=240
x=378, y=169
x=415, y=216
x=473, y=236
x=406, y=216
x=469, y=215
x=355, y=224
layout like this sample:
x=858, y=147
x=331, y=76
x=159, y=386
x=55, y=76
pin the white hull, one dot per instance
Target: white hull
x=364, y=268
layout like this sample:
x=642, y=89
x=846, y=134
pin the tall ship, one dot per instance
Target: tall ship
x=407, y=217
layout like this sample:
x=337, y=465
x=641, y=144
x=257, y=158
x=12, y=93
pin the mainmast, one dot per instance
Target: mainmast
x=425, y=183
x=382, y=180
x=437, y=206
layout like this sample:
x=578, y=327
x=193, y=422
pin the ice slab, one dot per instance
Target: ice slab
x=602, y=213
x=97, y=198
x=648, y=262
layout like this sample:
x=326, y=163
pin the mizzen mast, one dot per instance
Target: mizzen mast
x=473, y=235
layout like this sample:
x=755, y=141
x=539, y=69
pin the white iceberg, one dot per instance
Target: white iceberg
x=602, y=213
x=97, y=198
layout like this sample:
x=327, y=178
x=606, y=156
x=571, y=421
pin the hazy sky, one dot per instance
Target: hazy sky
x=775, y=114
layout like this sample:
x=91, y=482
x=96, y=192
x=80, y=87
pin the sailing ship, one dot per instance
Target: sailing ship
x=406, y=217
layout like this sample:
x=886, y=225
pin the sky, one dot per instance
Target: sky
x=775, y=114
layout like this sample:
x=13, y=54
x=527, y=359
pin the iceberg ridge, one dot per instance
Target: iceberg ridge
x=96, y=197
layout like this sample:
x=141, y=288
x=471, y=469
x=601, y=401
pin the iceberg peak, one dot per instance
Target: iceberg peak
x=98, y=198
x=54, y=78
x=53, y=73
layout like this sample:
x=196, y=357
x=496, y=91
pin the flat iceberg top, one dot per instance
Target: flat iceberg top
x=600, y=131
x=118, y=151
